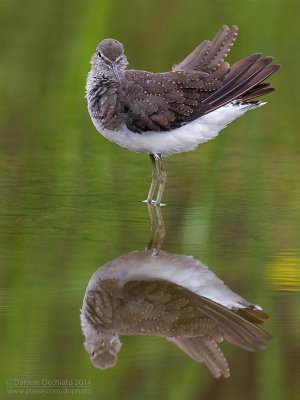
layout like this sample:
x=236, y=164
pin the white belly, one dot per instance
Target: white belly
x=179, y=140
x=182, y=270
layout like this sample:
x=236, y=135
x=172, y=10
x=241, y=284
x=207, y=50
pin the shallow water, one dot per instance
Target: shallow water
x=71, y=201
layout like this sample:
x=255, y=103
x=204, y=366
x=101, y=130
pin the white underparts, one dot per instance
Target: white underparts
x=185, y=271
x=179, y=140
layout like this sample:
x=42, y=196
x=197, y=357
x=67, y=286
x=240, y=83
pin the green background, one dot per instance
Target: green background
x=71, y=200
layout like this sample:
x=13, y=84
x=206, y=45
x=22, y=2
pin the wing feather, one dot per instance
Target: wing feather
x=200, y=84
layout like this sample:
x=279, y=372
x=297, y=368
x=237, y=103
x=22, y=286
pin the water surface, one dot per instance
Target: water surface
x=71, y=201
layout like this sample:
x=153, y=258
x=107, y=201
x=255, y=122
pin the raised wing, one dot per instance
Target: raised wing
x=165, y=101
x=201, y=83
x=209, y=56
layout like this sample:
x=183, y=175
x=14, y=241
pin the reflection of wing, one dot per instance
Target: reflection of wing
x=171, y=296
x=236, y=329
x=161, y=308
x=205, y=349
x=194, y=323
x=166, y=309
x=97, y=309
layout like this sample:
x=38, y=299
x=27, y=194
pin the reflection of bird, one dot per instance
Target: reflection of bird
x=168, y=295
x=172, y=112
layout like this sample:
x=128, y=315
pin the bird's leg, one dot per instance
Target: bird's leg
x=153, y=225
x=162, y=179
x=154, y=179
x=160, y=229
x=157, y=228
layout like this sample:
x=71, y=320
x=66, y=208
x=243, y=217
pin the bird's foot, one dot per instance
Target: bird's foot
x=154, y=203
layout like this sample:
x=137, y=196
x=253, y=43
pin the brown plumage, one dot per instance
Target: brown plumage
x=201, y=83
x=125, y=102
x=161, y=308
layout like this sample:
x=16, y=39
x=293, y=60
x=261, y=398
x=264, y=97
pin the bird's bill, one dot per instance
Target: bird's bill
x=115, y=71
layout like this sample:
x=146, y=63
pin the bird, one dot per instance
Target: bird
x=173, y=112
x=172, y=296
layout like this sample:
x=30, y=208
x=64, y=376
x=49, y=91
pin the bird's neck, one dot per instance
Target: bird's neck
x=103, y=94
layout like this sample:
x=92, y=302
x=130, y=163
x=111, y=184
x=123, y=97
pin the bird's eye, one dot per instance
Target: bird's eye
x=99, y=54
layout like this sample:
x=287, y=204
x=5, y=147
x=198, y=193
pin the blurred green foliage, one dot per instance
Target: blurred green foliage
x=70, y=200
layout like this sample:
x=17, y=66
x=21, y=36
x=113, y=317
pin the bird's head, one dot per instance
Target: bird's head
x=109, y=58
x=103, y=351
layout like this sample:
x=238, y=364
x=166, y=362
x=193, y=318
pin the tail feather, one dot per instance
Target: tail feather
x=238, y=72
x=257, y=92
x=240, y=67
x=253, y=315
x=236, y=330
x=244, y=79
x=250, y=84
x=250, y=78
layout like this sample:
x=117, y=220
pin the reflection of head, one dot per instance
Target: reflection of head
x=103, y=351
